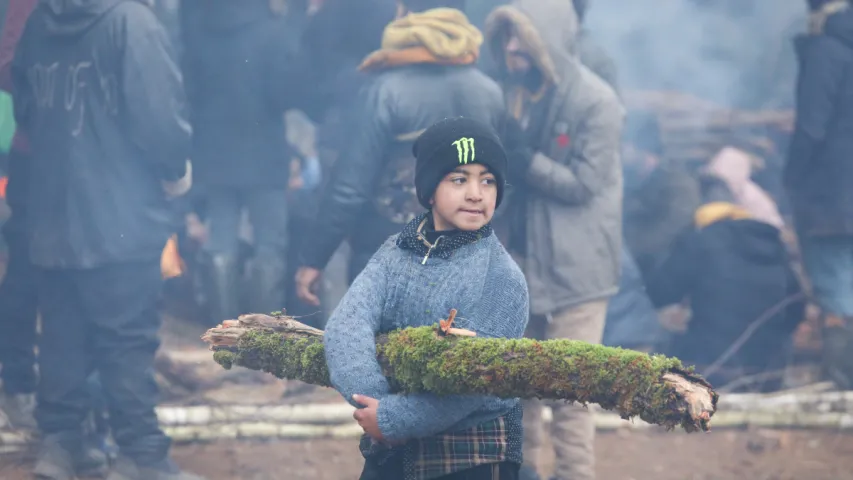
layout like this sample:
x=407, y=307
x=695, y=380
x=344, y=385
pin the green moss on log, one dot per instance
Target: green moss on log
x=419, y=360
x=292, y=358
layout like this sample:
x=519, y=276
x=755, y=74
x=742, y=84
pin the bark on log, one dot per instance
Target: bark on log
x=656, y=389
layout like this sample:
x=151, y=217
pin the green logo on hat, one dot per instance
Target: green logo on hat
x=464, y=146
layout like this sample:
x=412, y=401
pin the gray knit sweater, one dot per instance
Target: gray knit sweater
x=397, y=290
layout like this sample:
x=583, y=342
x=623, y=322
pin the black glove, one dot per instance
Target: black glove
x=519, y=154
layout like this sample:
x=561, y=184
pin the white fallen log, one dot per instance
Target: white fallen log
x=322, y=414
x=207, y=423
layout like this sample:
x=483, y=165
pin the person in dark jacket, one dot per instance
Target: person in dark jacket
x=819, y=174
x=235, y=62
x=99, y=95
x=418, y=77
x=733, y=270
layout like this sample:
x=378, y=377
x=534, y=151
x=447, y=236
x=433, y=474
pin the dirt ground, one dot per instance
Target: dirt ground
x=720, y=455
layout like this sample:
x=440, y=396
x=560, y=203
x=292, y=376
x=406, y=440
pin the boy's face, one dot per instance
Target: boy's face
x=465, y=199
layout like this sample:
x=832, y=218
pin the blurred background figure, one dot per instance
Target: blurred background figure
x=241, y=76
x=819, y=175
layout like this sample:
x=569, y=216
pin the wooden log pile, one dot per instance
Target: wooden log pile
x=694, y=130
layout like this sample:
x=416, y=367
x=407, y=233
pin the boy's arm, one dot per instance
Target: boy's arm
x=503, y=314
x=350, y=335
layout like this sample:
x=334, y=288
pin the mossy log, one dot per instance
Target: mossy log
x=657, y=389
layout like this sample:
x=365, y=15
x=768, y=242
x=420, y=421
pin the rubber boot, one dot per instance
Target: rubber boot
x=267, y=284
x=221, y=279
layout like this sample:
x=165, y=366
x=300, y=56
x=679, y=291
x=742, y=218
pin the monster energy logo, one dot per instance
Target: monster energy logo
x=464, y=146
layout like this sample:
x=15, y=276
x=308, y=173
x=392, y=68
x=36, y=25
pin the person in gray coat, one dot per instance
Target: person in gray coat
x=565, y=164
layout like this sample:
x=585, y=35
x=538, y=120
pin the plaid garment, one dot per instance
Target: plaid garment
x=490, y=442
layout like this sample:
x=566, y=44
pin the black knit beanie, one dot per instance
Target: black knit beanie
x=453, y=142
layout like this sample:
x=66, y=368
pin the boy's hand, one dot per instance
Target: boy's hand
x=367, y=416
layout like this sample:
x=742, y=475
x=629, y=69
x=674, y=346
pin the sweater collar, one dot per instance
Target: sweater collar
x=415, y=233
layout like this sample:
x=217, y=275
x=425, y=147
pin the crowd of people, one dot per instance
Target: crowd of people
x=471, y=155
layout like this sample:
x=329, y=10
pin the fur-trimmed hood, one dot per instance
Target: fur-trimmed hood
x=548, y=29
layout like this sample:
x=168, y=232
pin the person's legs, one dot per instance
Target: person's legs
x=18, y=309
x=65, y=357
x=829, y=264
x=64, y=398
x=573, y=426
x=220, y=255
x=120, y=302
x=532, y=445
x=268, y=273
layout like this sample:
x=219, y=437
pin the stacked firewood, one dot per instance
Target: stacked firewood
x=693, y=129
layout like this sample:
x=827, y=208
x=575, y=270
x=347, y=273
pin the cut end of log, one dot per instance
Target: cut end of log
x=228, y=333
x=700, y=400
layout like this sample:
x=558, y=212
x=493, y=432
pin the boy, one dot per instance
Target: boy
x=445, y=258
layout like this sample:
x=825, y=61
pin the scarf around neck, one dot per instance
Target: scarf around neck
x=440, y=36
x=413, y=238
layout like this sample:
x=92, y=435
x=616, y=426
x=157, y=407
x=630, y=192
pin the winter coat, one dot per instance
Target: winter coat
x=240, y=78
x=819, y=172
x=371, y=191
x=733, y=270
x=574, y=185
x=99, y=95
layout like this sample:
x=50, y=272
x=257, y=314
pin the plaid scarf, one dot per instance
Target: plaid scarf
x=413, y=237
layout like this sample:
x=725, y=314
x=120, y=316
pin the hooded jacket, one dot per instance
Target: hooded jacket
x=99, y=95
x=423, y=73
x=733, y=269
x=240, y=80
x=573, y=211
x=819, y=172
